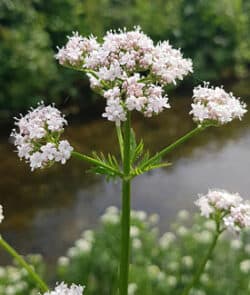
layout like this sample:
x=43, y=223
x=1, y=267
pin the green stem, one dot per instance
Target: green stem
x=174, y=145
x=120, y=140
x=43, y=287
x=95, y=162
x=87, y=71
x=202, y=266
x=125, y=217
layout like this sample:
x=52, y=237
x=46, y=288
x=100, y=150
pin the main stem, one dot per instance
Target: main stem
x=125, y=217
x=202, y=265
x=36, y=278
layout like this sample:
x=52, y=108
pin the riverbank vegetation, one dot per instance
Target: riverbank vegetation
x=162, y=263
x=213, y=33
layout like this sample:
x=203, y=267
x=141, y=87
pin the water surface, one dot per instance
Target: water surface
x=46, y=210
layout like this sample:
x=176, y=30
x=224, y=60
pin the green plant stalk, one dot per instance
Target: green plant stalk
x=125, y=215
x=36, y=278
x=174, y=145
x=120, y=140
x=202, y=266
x=95, y=162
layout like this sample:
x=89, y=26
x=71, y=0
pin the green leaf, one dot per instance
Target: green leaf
x=140, y=169
x=108, y=165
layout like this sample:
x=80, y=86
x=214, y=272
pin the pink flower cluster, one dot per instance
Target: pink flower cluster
x=216, y=105
x=128, y=69
x=37, y=137
x=233, y=211
x=72, y=53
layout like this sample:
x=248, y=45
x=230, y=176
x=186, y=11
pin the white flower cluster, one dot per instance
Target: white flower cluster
x=83, y=246
x=235, y=212
x=216, y=105
x=63, y=289
x=15, y=280
x=37, y=137
x=74, y=50
x=128, y=69
x=1, y=213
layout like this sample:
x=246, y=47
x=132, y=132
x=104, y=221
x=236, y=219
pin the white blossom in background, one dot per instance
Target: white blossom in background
x=132, y=287
x=187, y=261
x=127, y=69
x=245, y=266
x=1, y=213
x=216, y=105
x=166, y=240
x=37, y=137
x=234, y=211
x=63, y=289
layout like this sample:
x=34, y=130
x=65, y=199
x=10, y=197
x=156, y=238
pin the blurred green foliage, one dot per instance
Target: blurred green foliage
x=161, y=264
x=214, y=33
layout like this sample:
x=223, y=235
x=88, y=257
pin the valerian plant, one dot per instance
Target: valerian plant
x=132, y=74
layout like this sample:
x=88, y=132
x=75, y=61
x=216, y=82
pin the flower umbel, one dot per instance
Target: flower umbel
x=127, y=69
x=37, y=137
x=214, y=104
x=231, y=209
x=63, y=289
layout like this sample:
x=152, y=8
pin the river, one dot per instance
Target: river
x=46, y=210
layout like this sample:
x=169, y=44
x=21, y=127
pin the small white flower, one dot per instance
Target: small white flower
x=245, y=266
x=110, y=218
x=134, y=231
x=114, y=111
x=171, y=281
x=154, y=219
x=83, y=245
x=204, y=279
x=73, y=252
x=236, y=244
x=88, y=235
x=132, y=288
x=205, y=207
x=183, y=215
x=1, y=213
x=187, y=261
x=166, y=240
x=140, y=215
x=63, y=261
x=136, y=243
x=182, y=231
x=153, y=271
x=63, y=289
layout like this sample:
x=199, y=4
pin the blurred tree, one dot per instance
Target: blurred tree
x=215, y=34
